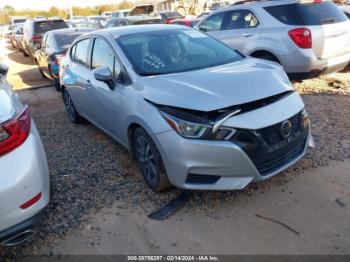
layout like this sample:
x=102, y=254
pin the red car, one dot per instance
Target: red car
x=190, y=21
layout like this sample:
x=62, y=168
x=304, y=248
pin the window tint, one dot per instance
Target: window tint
x=64, y=40
x=103, y=56
x=239, y=19
x=80, y=54
x=321, y=13
x=48, y=25
x=213, y=23
x=307, y=14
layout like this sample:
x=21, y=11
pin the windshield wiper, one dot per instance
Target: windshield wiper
x=327, y=20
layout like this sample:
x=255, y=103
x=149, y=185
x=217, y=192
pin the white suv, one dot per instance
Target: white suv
x=307, y=38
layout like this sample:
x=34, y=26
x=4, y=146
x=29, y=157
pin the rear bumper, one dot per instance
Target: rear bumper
x=24, y=174
x=304, y=63
x=25, y=226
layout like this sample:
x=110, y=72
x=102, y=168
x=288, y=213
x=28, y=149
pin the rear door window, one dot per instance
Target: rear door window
x=80, y=51
x=307, y=13
x=240, y=19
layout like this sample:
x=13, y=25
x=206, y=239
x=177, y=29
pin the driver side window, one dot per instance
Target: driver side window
x=103, y=56
x=213, y=23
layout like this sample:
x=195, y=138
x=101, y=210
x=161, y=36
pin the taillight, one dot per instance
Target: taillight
x=301, y=37
x=31, y=201
x=14, y=132
x=37, y=38
x=168, y=21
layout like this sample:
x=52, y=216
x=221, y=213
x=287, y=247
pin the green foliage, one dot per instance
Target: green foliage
x=8, y=11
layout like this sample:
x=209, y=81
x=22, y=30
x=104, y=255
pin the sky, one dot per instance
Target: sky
x=46, y=4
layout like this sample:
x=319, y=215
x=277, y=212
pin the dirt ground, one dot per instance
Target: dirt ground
x=100, y=203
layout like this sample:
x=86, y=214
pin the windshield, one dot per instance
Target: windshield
x=48, y=25
x=307, y=13
x=141, y=10
x=171, y=51
x=16, y=21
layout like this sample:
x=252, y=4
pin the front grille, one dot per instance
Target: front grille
x=268, y=149
x=272, y=134
x=275, y=163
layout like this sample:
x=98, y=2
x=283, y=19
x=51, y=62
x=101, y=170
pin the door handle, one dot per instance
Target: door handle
x=247, y=35
x=88, y=83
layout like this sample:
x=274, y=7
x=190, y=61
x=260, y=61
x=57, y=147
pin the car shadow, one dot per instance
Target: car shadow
x=31, y=78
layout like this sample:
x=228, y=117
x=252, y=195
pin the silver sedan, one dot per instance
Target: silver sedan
x=194, y=113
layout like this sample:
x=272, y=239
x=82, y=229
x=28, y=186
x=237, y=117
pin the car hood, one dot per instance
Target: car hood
x=217, y=87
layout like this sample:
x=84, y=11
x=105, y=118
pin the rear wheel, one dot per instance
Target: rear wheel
x=24, y=53
x=73, y=115
x=150, y=161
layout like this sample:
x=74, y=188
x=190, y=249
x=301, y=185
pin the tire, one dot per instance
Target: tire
x=73, y=115
x=267, y=56
x=56, y=84
x=24, y=53
x=150, y=161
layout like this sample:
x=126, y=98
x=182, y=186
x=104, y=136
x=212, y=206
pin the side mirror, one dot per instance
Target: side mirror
x=203, y=29
x=4, y=69
x=104, y=74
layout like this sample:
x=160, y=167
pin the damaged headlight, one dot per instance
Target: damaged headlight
x=189, y=129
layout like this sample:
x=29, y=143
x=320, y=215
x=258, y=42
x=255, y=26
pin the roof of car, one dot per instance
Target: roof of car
x=252, y=3
x=116, y=32
x=71, y=30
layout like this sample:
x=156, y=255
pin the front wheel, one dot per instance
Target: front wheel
x=150, y=161
x=73, y=115
x=56, y=84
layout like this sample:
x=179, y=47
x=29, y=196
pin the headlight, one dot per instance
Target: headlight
x=194, y=130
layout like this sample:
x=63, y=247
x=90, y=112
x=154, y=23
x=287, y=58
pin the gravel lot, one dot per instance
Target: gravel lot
x=89, y=171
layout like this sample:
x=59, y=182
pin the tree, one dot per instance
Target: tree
x=54, y=11
x=9, y=9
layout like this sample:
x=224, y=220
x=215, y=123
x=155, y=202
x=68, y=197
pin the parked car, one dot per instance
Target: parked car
x=19, y=38
x=24, y=187
x=33, y=32
x=193, y=111
x=186, y=21
x=169, y=16
x=106, y=14
x=132, y=20
x=145, y=9
x=346, y=10
x=17, y=21
x=17, y=30
x=53, y=47
x=98, y=21
x=120, y=13
x=85, y=24
x=306, y=38
x=78, y=19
